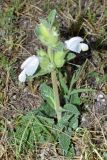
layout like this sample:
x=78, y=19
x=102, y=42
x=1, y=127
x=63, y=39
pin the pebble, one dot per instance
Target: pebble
x=103, y=100
x=14, y=97
x=83, y=119
x=100, y=96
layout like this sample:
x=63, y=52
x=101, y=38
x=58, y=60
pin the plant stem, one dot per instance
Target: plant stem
x=55, y=87
x=56, y=94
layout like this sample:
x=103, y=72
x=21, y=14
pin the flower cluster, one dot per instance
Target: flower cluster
x=30, y=65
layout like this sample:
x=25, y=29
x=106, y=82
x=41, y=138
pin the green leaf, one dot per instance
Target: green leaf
x=105, y=155
x=43, y=71
x=75, y=99
x=73, y=122
x=60, y=47
x=42, y=53
x=63, y=84
x=32, y=128
x=46, y=120
x=46, y=110
x=70, y=56
x=51, y=17
x=44, y=62
x=64, y=142
x=74, y=78
x=72, y=109
x=63, y=122
x=47, y=94
x=75, y=91
x=59, y=58
x=71, y=151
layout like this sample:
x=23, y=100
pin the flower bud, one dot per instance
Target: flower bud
x=47, y=35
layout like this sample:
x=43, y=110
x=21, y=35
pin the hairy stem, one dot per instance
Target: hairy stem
x=56, y=94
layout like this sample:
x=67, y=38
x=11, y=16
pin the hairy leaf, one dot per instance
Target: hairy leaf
x=64, y=142
x=73, y=122
x=47, y=94
x=71, y=108
x=51, y=17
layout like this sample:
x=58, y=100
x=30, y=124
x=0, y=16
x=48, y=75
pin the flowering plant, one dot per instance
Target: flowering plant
x=64, y=119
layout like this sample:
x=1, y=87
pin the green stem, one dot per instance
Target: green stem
x=56, y=94
x=55, y=87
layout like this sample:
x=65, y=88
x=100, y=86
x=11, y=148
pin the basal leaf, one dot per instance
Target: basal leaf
x=46, y=120
x=64, y=142
x=73, y=122
x=64, y=121
x=75, y=99
x=71, y=108
x=46, y=110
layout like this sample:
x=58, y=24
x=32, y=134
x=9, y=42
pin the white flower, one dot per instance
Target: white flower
x=74, y=44
x=29, y=67
x=84, y=47
x=22, y=76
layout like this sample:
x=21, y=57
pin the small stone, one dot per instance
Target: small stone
x=86, y=106
x=83, y=119
x=14, y=97
x=103, y=100
x=100, y=96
